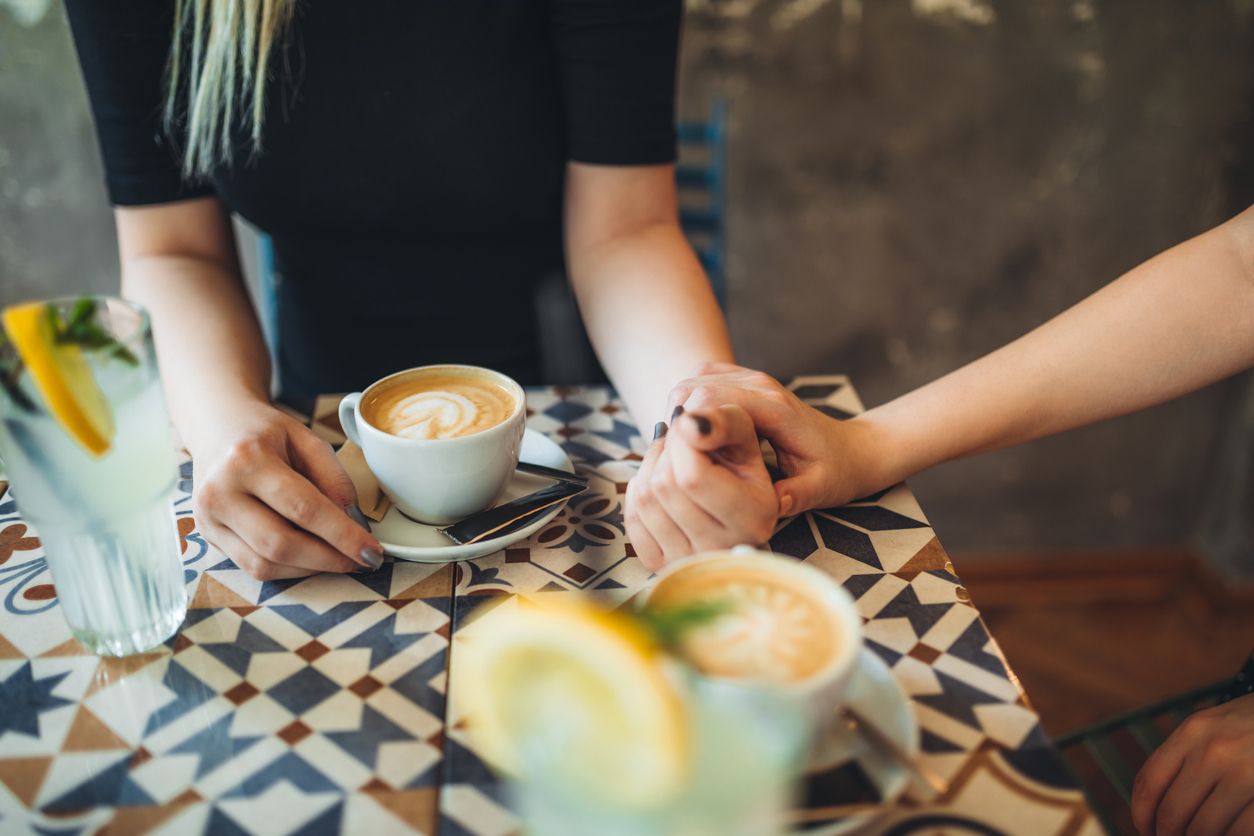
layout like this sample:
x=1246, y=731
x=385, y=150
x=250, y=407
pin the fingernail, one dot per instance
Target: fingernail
x=372, y=558
x=659, y=431
x=679, y=410
x=703, y=424
x=785, y=506
x=355, y=514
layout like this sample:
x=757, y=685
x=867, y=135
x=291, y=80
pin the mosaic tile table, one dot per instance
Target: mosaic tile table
x=319, y=705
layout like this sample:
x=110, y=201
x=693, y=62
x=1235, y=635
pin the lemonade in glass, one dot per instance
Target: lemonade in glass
x=598, y=730
x=87, y=446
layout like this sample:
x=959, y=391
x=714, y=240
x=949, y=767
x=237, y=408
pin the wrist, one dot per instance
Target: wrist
x=894, y=450
x=222, y=415
x=882, y=450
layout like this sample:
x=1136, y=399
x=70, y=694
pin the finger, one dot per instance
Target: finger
x=662, y=529
x=670, y=539
x=245, y=558
x=646, y=548
x=1221, y=808
x=275, y=539
x=1190, y=787
x=719, y=492
x=727, y=429
x=719, y=367
x=315, y=459
x=297, y=500
x=701, y=529
x=643, y=544
x=798, y=493
x=720, y=374
x=770, y=411
x=1157, y=774
x=1244, y=822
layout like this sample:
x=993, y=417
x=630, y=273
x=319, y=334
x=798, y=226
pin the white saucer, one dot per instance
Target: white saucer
x=875, y=695
x=409, y=540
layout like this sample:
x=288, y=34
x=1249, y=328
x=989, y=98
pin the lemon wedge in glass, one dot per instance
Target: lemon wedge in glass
x=62, y=376
x=576, y=694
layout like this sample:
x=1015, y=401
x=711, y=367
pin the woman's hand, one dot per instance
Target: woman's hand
x=826, y=462
x=1201, y=780
x=271, y=495
x=703, y=485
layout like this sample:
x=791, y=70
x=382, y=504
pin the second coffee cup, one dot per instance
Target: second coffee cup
x=443, y=440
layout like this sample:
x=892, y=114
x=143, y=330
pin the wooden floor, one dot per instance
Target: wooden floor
x=1092, y=636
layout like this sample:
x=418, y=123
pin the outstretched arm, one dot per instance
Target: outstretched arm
x=1178, y=322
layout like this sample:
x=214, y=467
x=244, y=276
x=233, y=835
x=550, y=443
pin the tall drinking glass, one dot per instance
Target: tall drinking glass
x=748, y=743
x=104, y=518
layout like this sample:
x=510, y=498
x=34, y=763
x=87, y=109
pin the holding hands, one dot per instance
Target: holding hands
x=704, y=484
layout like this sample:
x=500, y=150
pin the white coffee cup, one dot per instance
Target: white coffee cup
x=823, y=689
x=440, y=480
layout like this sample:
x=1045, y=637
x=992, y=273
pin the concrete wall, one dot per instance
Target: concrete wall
x=56, y=233
x=916, y=183
x=912, y=184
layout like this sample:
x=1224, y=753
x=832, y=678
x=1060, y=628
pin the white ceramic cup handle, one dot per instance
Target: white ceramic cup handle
x=348, y=417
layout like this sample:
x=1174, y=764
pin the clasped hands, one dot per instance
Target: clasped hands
x=704, y=483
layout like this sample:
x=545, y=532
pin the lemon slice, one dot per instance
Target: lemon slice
x=62, y=376
x=574, y=695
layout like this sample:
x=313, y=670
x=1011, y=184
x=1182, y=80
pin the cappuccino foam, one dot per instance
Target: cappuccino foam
x=773, y=629
x=444, y=406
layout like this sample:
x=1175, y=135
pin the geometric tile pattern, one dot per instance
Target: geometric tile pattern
x=978, y=729
x=318, y=705
x=313, y=706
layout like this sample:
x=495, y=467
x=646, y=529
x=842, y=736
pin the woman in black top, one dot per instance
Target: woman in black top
x=421, y=164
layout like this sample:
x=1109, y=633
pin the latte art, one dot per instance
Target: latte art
x=434, y=415
x=774, y=627
x=447, y=406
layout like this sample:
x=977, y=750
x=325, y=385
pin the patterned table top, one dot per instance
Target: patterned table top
x=319, y=705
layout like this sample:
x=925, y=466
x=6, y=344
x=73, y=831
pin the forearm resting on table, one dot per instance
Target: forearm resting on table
x=650, y=313
x=208, y=340
x=1178, y=322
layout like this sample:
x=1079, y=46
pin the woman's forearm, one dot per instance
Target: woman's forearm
x=179, y=261
x=650, y=313
x=1178, y=322
x=208, y=339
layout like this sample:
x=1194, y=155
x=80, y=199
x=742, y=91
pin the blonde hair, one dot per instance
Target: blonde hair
x=225, y=76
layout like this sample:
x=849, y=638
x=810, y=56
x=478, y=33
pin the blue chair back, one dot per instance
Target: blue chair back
x=701, y=176
x=267, y=293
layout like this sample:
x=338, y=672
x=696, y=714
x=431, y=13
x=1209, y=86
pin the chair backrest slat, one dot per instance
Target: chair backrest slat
x=701, y=176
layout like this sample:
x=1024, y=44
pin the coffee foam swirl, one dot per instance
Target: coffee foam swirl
x=433, y=415
x=774, y=628
x=446, y=407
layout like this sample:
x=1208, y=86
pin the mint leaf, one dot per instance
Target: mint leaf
x=81, y=329
x=11, y=373
x=84, y=310
x=668, y=625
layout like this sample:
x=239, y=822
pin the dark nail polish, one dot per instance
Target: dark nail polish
x=355, y=514
x=372, y=558
x=703, y=424
x=679, y=410
x=659, y=431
